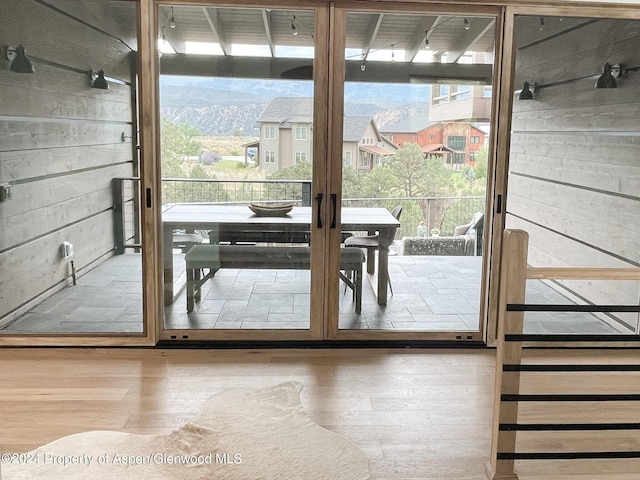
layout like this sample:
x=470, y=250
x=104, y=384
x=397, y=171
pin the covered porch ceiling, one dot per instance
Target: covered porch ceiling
x=426, y=48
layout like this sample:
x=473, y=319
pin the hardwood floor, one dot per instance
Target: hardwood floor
x=416, y=413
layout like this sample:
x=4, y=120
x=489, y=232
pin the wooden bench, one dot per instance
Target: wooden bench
x=215, y=257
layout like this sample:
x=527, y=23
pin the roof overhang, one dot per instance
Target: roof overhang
x=436, y=148
x=377, y=150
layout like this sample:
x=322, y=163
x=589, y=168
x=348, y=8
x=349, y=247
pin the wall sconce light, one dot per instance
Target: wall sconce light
x=19, y=61
x=172, y=20
x=527, y=91
x=610, y=74
x=98, y=80
x=5, y=192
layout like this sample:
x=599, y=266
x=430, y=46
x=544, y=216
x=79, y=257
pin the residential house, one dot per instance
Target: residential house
x=457, y=143
x=364, y=147
x=286, y=133
x=286, y=137
x=460, y=103
x=405, y=131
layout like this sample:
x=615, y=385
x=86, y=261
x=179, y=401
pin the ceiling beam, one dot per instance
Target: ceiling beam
x=296, y=68
x=463, y=42
x=211, y=14
x=374, y=27
x=430, y=73
x=422, y=33
x=266, y=20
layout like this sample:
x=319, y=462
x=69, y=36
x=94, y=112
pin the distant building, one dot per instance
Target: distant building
x=363, y=146
x=457, y=143
x=286, y=137
x=466, y=103
x=456, y=128
x=460, y=102
x=405, y=131
x=286, y=133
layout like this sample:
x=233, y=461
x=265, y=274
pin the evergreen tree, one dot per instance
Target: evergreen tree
x=380, y=182
x=418, y=175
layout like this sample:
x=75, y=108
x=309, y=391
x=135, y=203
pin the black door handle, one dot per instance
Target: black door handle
x=334, y=214
x=319, y=218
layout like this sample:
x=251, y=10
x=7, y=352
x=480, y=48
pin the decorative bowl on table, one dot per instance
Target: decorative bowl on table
x=271, y=210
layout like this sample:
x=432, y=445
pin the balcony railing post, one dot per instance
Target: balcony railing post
x=512, y=285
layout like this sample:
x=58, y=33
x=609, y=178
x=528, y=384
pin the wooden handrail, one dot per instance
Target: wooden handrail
x=563, y=273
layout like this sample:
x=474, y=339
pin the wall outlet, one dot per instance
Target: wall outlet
x=67, y=249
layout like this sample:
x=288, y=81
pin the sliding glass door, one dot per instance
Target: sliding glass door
x=414, y=151
x=573, y=164
x=370, y=127
x=70, y=237
x=242, y=151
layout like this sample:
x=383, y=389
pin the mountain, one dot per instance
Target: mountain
x=218, y=119
x=410, y=117
x=183, y=96
x=226, y=106
x=238, y=88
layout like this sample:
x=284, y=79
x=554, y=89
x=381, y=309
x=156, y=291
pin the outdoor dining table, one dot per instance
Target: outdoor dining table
x=227, y=219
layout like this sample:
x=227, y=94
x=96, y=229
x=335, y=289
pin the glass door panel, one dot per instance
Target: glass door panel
x=237, y=151
x=417, y=116
x=70, y=242
x=572, y=170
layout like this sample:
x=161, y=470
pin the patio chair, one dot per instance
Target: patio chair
x=468, y=227
x=479, y=235
x=476, y=228
x=372, y=242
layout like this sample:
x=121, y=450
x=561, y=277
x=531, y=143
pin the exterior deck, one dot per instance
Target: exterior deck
x=431, y=293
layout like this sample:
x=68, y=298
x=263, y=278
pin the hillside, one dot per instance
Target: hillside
x=218, y=119
x=233, y=106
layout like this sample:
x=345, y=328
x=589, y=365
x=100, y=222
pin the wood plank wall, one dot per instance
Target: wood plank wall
x=60, y=140
x=574, y=181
